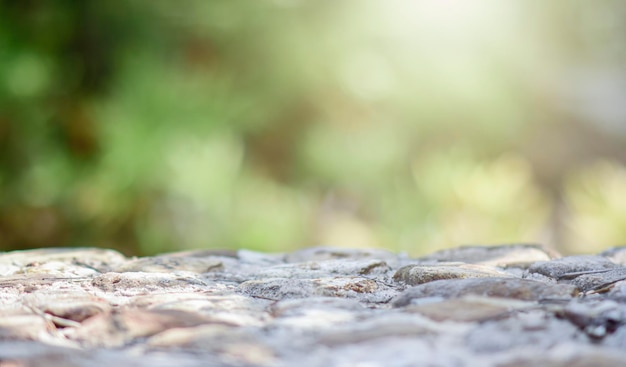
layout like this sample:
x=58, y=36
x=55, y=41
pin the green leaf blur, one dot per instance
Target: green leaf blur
x=152, y=126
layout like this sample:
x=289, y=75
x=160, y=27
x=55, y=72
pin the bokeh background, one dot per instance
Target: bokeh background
x=151, y=126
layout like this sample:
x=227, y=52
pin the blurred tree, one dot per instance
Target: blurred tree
x=56, y=57
x=152, y=126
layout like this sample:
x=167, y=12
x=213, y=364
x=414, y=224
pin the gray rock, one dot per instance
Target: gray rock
x=521, y=289
x=161, y=264
x=617, y=339
x=388, y=326
x=364, y=289
x=315, y=313
x=227, y=309
x=617, y=290
x=334, y=253
x=410, y=350
x=596, y=358
x=532, y=329
x=518, y=255
x=469, y=308
x=291, y=307
x=571, y=266
x=66, y=307
x=99, y=260
x=596, y=318
x=123, y=289
x=126, y=326
x=57, y=268
x=419, y=274
x=253, y=258
x=601, y=281
x=22, y=325
x=231, y=346
x=320, y=269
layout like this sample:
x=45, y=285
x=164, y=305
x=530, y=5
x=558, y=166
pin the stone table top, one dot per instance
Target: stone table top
x=513, y=305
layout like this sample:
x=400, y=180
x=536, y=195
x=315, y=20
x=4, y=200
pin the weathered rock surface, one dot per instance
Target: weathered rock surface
x=571, y=266
x=520, y=289
x=517, y=305
x=519, y=255
x=419, y=274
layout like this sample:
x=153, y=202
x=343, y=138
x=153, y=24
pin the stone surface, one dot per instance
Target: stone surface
x=617, y=290
x=571, y=266
x=522, y=330
x=520, y=289
x=517, y=305
x=160, y=264
x=595, y=317
x=364, y=289
x=419, y=274
x=469, y=308
x=600, y=281
x=520, y=255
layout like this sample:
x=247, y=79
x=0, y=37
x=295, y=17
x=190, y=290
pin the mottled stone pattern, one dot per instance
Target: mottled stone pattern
x=517, y=305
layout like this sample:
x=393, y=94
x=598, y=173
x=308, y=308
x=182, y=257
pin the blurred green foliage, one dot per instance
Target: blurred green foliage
x=152, y=126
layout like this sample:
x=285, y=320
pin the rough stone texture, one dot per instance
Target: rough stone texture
x=521, y=289
x=519, y=255
x=571, y=266
x=517, y=305
x=419, y=274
